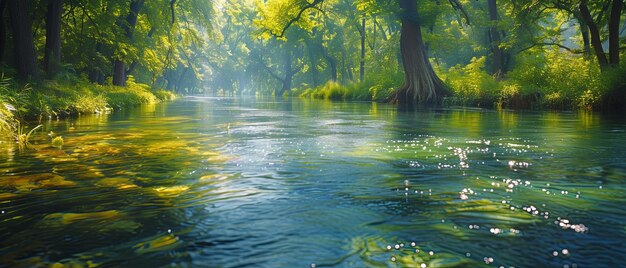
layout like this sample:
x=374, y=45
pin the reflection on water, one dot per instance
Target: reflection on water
x=236, y=183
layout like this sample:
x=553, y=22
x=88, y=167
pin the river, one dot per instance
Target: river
x=218, y=182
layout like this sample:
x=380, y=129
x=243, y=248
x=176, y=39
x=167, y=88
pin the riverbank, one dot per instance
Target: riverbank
x=556, y=82
x=62, y=99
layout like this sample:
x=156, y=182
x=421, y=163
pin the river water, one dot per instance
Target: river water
x=210, y=182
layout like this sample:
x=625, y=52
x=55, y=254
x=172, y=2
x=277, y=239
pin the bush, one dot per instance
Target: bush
x=376, y=87
x=560, y=81
x=164, y=95
x=472, y=85
x=132, y=94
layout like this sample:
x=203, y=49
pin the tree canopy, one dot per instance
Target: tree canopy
x=409, y=51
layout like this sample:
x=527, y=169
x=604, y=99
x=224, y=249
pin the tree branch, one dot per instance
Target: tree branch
x=573, y=51
x=268, y=69
x=456, y=5
x=293, y=20
x=172, y=3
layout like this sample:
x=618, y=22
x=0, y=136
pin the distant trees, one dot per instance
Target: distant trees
x=276, y=46
x=108, y=39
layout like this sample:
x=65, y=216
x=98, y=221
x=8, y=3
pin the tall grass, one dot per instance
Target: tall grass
x=65, y=97
x=376, y=87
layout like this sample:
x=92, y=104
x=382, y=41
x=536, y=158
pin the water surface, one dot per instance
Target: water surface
x=250, y=183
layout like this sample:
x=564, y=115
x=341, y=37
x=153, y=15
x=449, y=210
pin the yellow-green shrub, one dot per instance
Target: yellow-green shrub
x=472, y=85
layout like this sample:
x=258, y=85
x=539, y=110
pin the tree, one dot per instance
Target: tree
x=421, y=83
x=3, y=30
x=21, y=26
x=499, y=58
x=119, y=67
x=52, y=57
x=614, y=31
x=594, y=30
x=597, y=24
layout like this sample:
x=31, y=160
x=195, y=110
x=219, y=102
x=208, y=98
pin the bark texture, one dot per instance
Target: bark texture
x=596, y=42
x=21, y=26
x=614, y=24
x=52, y=57
x=421, y=84
x=499, y=64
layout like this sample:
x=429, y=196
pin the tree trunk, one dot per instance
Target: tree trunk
x=498, y=68
x=382, y=30
x=119, y=73
x=614, y=25
x=421, y=84
x=362, y=69
x=52, y=56
x=288, y=75
x=584, y=32
x=333, y=66
x=312, y=50
x=21, y=24
x=95, y=73
x=595, y=35
x=119, y=67
x=3, y=30
x=179, y=83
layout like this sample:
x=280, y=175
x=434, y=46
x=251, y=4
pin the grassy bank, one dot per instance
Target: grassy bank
x=550, y=81
x=376, y=87
x=59, y=99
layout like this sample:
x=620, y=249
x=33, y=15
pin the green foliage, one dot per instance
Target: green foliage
x=132, y=94
x=91, y=103
x=560, y=81
x=472, y=85
x=164, y=95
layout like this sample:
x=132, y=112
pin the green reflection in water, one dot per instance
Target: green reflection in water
x=290, y=183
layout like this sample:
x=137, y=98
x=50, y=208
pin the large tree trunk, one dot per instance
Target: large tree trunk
x=21, y=25
x=3, y=30
x=421, y=84
x=362, y=69
x=119, y=67
x=614, y=25
x=595, y=35
x=52, y=57
x=119, y=73
x=498, y=68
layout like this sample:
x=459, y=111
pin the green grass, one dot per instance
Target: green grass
x=375, y=88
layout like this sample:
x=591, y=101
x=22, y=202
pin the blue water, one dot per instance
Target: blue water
x=216, y=182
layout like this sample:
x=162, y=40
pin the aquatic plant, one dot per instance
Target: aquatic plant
x=22, y=137
x=57, y=142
